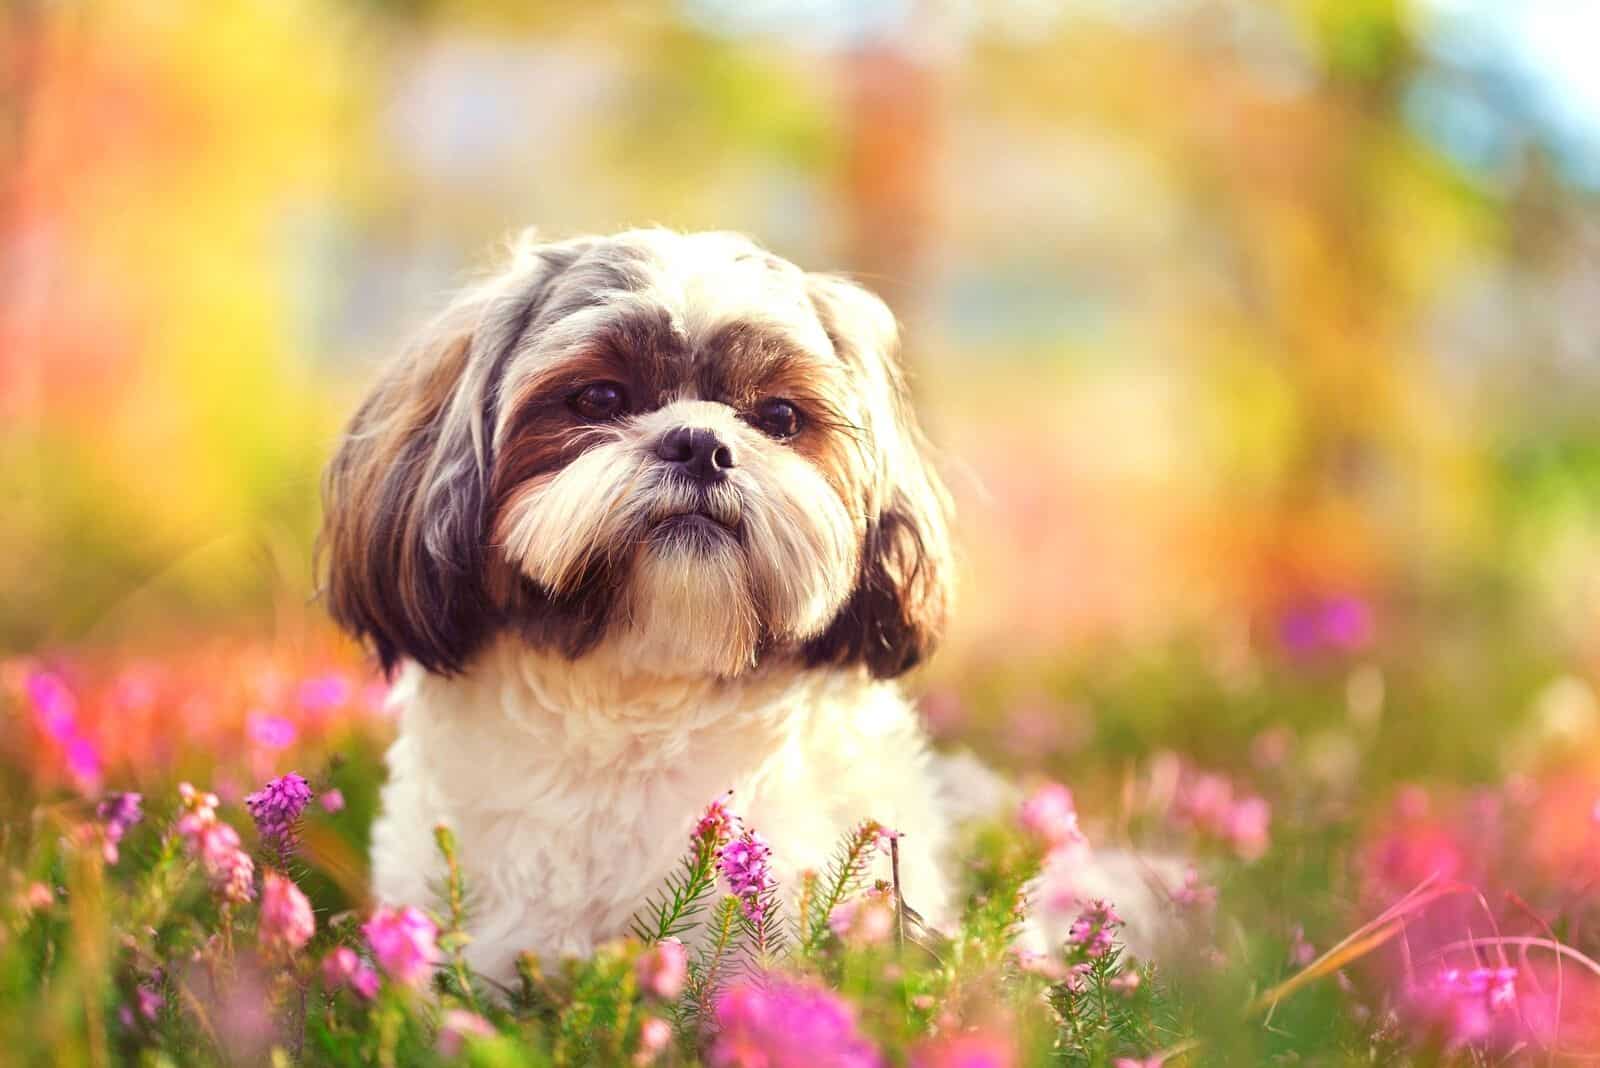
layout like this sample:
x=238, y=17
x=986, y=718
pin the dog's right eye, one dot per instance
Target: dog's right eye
x=599, y=401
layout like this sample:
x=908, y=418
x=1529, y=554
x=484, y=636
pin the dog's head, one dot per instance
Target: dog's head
x=678, y=443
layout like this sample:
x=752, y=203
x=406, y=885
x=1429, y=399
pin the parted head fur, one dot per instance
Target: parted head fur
x=678, y=444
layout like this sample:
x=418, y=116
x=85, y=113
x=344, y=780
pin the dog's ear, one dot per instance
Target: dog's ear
x=404, y=540
x=896, y=613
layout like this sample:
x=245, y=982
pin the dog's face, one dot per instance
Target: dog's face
x=679, y=444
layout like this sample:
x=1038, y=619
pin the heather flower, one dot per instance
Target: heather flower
x=1092, y=932
x=403, y=943
x=343, y=967
x=745, y=864
x=458, y=1027
x=1246, y=826
x=1195, y=893
x=332, y=801
x=118, y=812
x=286, y=919
x=1155, y=1060
x=976, y=1049
x=1125, y=983
x=1470, y=1006
x=37, y=897
x=277, y=808
x=272, y=732
x=1041, y=964
x=150, y=1002
x=54, y=706
x=717, y=823
x=325, y=693
x=779, y=1023
x=216, y=844
x=655, y=1034
x=1049, y=814
x=662, y=969
x=864, y=920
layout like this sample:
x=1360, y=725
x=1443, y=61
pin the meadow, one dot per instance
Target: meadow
x=1257, y=342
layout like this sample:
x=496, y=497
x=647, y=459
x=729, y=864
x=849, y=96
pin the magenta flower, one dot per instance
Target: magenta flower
x=286, y=920
x=1094, y=929
x=458, y=1027
x=976, y=1049
x=1470, y=1006
x=866, y=920
x=272, y=732
x=54, y=706
x=745, y=863
x=230, y=869
x=343, y=967
x=1247, y=825
x=779, y=1023
x=1049, y=814
x=662, y=969
x=277, y=808
x=717, y=823
x=325, y=693
x=117, y=813
x=655, y=1034
x=332, y=801
x=403, y=943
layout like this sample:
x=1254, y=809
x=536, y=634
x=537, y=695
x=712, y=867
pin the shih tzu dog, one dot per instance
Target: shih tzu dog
x=639, y=520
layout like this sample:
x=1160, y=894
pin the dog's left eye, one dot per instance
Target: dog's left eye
x=776, y=418
x=599, y=400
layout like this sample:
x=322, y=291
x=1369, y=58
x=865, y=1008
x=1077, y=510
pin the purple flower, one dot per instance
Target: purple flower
x=662, y=969
x=117, y=813
x=230, y=869
x=273, y=732
x=403, y=942
x=325, y=692
x=53, y=705
x=286, y=919
x=746, y=863
x=343, y=967
x=777, y=1023
x=1094, y=928
x=458, y=1027
x=332, y=801
x=277, y=808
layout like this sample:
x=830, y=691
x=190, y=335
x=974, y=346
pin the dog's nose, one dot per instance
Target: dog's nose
x=697, y=452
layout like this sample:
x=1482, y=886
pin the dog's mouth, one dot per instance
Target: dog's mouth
x=701, y=523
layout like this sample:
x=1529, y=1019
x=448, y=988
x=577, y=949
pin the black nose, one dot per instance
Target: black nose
x=697, y=452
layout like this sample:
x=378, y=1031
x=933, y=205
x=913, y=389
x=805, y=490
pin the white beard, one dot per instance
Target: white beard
x=572, y=788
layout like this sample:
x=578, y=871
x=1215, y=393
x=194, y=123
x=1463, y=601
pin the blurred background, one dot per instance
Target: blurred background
x=1258, y=337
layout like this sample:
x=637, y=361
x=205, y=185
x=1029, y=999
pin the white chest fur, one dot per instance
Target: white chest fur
x=572, y=787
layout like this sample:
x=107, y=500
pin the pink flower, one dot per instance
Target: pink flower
x=332, y=801
x=460, y=1026
x=745, y=864
x=343, y=967
x=216, y=844
x=717, y=823
x=662, y=969
x=978, y=1049
x=779, y=1023
x=655, y=1034
x=866, y=920
x=150, y=1002
x=272, y=732
x=277, y=808
x=1155, y=1060
x=54, y=706
x=1050, y=815
x=1470, y=1007
x=325, y=692
x=1094, y=929
x=286, y=919
x=403, y=943
x=1247, y=827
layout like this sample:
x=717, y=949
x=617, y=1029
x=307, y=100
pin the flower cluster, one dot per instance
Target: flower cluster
x=117, y=812
x=277, y=808
x=662, y=969
x=1208, y=803
x=344, y=967
x=865, y=920
x=404, y=943
x=55, y=709
x=1050, y=815
x=1469, y=1006
x=780, y=1023
x=216, y=844
x=1094, y=930
x=745, y=863
x=286, y=920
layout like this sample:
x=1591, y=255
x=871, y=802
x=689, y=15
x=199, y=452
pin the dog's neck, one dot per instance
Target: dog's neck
x=600, y=705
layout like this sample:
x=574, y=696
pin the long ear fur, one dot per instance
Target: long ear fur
x=897, y=612
x=404, y=540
